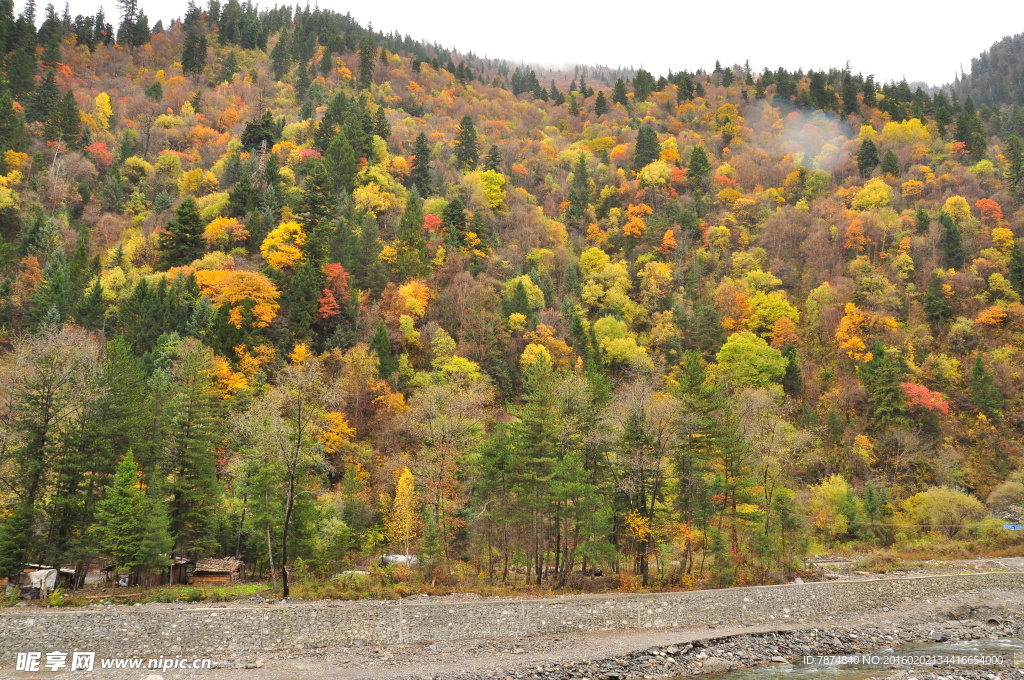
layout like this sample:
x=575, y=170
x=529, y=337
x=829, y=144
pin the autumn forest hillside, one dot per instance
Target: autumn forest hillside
x=278, y=286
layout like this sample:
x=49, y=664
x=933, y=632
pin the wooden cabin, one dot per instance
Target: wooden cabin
x=179, y=570
x=218, y=572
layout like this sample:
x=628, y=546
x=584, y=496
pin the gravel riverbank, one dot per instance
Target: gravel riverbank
x=631, y=654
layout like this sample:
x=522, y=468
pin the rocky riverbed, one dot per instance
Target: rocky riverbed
x=636, y=654
x=717, y=655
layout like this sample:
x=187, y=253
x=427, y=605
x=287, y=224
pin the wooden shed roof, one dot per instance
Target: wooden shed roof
x=226, y=565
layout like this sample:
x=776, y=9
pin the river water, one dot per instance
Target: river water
x=1005, y=652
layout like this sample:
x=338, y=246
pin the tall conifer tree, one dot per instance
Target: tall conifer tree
x=466, y=144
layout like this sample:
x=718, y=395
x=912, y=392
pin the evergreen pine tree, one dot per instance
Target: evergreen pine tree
x=537, y=442
x=419, y=174
x=103, y=32
x=971, y=131
x=125, y=31
x=890, y=164
x=698, y=175
x=600, y=104
x=723, y=571
x=302, y=81
x=849, y=94
x=190, y=421
x=381, y=126
x=984, y=393
x=466, y=144
x=117, y=421
x=367, y=55
x=12, y=128
x=15, y=534
x=21, y=71
x=162, y=203
x=877, y=515
x=937, y=309
x=707, y=334
x=132, y=526
x=557, y=98
x=182, y=238
x=327, y=64
x=331, y=123
x=370, y=270
x=412, y=247
x=684, y=88
x=943, y=112
x=431, y=545
x=923, y=219
x=644, y=85
x=1017, y=268
x=32, y=233
x=44, y=99
x=619, y=93
x=453, y=221
x=340, y=162
x=317, y=210
x=711, y=462
x=155, y=91
x=358, y=129
x=66, y=123
x=381, y=346
x=140, y=30
x=228, y=68
x=881, y=377
x=259, y=131
x=519, y=303
x=951, y=243
x=792, y=380
x=244, y=197
x=301, y=297
x=579, y=191
x=494, y=159
x=574, y=105
x=281, y=56
x=867, y=157
x=54, y=297
x=648, y=149
x=1015, y=164
x=113, y=194
x=91, y=309
x=193, y=54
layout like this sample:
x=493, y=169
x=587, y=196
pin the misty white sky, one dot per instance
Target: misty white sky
x=919, y=41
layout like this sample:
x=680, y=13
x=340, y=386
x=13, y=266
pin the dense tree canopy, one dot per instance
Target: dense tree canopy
x=276, y=284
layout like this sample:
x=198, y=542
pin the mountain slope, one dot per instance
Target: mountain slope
x=342, y=293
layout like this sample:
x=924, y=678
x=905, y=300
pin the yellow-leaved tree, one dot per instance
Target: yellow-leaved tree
x=400, y=524
x=635, y=225
x=534, y=353
x=282, y=248
x=240, y=289
x=102, y=110
x=225, y=232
